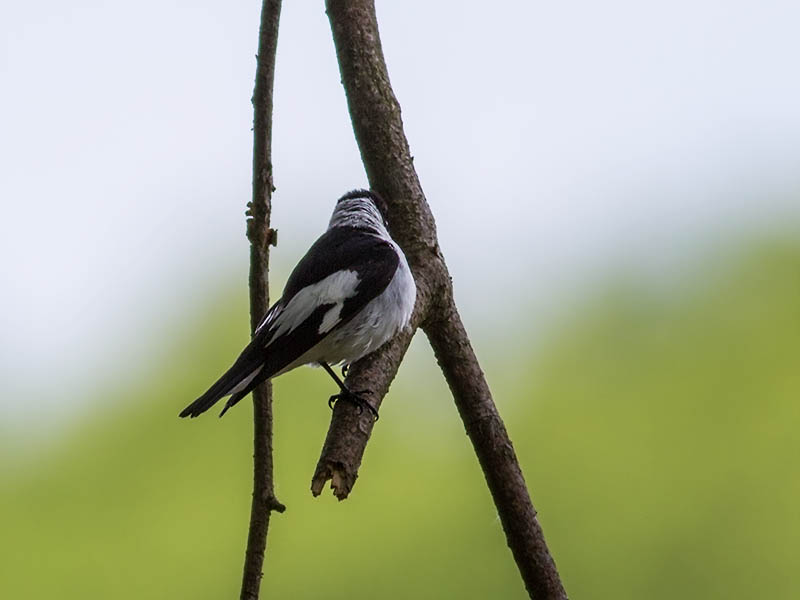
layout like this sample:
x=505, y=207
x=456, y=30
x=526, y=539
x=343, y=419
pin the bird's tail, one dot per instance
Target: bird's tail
x=236, y=382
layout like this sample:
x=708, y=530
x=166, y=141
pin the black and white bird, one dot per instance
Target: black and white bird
x=350, y=293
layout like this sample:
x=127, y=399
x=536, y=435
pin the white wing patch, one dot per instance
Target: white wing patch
x=270, y=316
x=246, y=381
x=331, y=318
x=334, y=289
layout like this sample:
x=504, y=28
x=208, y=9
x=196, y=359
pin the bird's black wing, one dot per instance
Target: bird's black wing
x=345, y=248
x=345, y=267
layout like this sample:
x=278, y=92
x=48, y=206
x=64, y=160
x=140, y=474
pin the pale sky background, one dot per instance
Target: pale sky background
x=556, y=142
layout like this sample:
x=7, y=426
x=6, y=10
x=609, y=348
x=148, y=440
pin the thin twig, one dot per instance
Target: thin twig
x=378, y=128
x=261, y=236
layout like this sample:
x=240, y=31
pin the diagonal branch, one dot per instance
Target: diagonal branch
x=375, y=114
x=261, y=236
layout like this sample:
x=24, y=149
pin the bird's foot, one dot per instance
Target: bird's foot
x=354, y=398
x=345, y=369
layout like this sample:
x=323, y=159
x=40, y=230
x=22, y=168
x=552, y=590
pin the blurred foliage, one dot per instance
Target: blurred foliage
x=658, y=435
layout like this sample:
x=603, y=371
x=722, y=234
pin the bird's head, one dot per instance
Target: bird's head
x=360, y=208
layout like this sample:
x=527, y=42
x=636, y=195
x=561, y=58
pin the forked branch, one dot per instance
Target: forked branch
x=378, y=128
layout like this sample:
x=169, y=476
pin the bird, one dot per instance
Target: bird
x=349, y=294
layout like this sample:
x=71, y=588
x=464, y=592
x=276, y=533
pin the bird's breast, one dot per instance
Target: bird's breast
x=377, y=322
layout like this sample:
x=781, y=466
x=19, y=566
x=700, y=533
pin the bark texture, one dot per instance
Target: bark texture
x=378, y=128
x=261, y=236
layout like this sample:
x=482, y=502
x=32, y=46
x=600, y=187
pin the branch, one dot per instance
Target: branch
x=378, y=128
x=261, y=236
x=495, y=453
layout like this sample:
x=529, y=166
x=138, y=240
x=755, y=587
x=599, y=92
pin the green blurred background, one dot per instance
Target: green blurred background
x=657, y=433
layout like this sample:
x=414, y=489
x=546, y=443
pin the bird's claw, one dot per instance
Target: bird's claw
x=354, y=398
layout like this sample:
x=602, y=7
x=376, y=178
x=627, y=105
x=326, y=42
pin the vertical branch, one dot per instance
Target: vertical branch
x=261, y=236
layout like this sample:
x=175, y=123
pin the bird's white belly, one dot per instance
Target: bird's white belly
x=372, y=327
